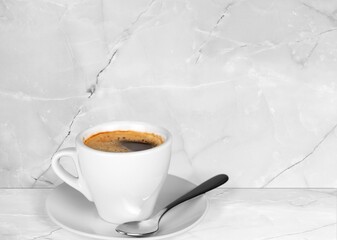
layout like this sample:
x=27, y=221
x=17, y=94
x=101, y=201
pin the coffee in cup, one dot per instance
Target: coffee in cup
x=121, y=167
x=123, y=141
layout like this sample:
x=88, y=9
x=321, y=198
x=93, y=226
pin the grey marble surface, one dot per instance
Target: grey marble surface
x=247, y=88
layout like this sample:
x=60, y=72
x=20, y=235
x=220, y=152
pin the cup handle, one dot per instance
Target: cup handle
x=75, y=182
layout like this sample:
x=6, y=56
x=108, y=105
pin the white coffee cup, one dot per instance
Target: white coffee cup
x=124, y=186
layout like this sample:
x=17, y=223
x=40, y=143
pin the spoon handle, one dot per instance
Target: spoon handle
x=206, y=186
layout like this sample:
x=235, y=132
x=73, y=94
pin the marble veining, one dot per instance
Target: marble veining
x=246, y=87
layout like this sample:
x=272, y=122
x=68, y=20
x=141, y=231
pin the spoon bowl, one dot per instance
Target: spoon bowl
x=141, y=228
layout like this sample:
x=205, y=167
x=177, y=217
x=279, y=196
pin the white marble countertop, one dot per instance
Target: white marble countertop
x=234, y=214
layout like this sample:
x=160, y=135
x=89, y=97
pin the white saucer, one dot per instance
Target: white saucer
x=71, y=210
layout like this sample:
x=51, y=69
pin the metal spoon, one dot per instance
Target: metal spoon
x=151, y=225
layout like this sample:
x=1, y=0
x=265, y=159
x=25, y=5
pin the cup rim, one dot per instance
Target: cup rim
x=163, y=133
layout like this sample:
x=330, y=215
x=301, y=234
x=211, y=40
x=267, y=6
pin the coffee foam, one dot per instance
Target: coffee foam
x=112, y=141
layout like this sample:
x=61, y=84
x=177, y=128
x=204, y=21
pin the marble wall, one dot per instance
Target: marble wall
x=247, y=88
